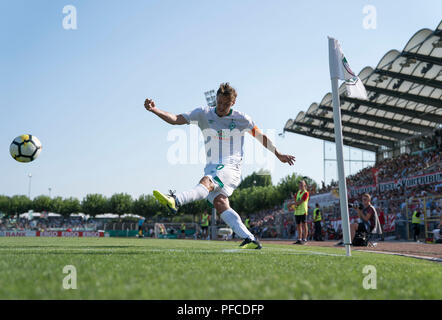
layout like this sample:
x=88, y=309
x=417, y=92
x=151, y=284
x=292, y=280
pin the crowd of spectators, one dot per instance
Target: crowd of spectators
x=401, y=201
x=405, y=165
x=327, y=188
x=49, y=224
x=263, y=223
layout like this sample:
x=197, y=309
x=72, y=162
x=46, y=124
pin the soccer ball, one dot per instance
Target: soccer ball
x=25, y=148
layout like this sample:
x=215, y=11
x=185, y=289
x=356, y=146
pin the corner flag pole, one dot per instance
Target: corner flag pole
x=339, y=148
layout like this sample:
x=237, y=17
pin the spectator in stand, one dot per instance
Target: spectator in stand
x=382, y=223
x=338, y=233
x=436, y=232
x=399, y=226
x=292, y=230
x=402, y=166
x=285, y=229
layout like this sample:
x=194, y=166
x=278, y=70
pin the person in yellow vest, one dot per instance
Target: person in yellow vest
x=317, y=218
x=205, y=225
x=140, y=227
x=183, y=230
x=301, y=211
x=247, y=223
x=416, y=222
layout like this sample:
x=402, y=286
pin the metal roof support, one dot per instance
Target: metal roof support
x=347, y=142
x=391, y=122
x=403, y=111
x=422, y=57
x=352, y=135
x=420, y=80
x=407, y=96
x=384, y=132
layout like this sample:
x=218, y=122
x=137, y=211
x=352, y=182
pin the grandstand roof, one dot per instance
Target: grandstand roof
x=405, y=99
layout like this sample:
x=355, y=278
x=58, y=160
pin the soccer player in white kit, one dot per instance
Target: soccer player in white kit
x=223, y=129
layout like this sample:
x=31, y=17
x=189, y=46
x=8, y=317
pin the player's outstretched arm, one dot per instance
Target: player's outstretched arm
x=267, y=143
x=166, y=116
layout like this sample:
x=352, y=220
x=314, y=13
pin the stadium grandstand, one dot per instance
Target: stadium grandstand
x=404, y=106
x=401, y=122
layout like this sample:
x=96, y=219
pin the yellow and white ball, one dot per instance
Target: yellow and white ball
x=25, y=148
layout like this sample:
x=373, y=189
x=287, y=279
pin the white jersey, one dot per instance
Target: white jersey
x=223, y=136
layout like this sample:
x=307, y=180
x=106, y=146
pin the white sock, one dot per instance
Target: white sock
x=199, y=192
x=234, y=221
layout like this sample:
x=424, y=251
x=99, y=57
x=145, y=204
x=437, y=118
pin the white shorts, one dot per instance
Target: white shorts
x=225, y=177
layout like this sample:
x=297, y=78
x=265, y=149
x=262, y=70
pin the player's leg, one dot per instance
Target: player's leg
x=315, y=231
x=298, y=229
x=416, y=231
x=304, y=239
x=226, y=179
x=233, y=220
x=229, y=216
x=353, y=228
x=318, y=231
x=199, y=192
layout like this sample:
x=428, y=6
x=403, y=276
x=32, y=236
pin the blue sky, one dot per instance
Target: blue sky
x=81, y=92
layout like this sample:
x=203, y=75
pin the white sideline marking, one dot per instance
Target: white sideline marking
x=404, y=255
x=194, y=250
x=307, y=251
x=248, y=251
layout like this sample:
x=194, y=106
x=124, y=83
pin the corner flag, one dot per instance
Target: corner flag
x=339, y=68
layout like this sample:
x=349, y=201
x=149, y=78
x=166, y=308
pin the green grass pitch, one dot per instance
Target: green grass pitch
x=120, y=268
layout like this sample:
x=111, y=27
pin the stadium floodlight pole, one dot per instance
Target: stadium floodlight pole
x=339, y=148
x=210, y=98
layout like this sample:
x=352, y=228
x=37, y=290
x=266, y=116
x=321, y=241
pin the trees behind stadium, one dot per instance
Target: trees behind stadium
x=255, y=193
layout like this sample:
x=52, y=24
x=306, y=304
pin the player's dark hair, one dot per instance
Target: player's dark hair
x=226, y=90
